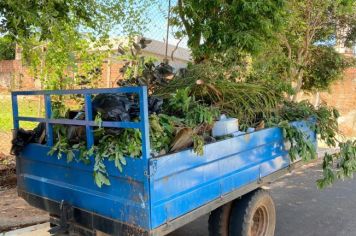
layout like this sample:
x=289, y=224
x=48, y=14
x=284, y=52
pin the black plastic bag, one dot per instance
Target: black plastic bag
x=23, y=137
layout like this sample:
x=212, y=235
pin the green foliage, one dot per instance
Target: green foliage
x=214, y=27
x=339, y=165
x=271, y=67
x=7, y=48
x=198, y=144
x=210, y=86
x=300, y=146
x=66, y=42
x=325, y=66
x=23, y=19
x=192, y=112
x=201, y=114
x=70, y=52
x=115, y=146
x=181, y=100
x=311, y=24
x=335, y=166
x=344, y=17
x=162, y=131
x=326, y=118
x=292, y=111
x=64, y=61
x=284, y=38
x=109, y=147
x=136, y=65
x=318, y=21
x=63, y=148
x=301, y=57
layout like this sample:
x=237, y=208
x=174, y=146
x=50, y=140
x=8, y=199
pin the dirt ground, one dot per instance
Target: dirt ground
x=7, y=171
x=15, y=212
x=5, y=142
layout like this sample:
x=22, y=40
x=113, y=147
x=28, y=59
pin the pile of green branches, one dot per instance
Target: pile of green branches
x=193, y=101
x=249, y=102
x=323, y=121
x=253, y=102
x=169, y=132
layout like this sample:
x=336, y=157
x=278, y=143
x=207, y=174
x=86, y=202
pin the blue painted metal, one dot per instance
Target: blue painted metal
x=49, y=127
x=144, y=121
x=15, y=111
x=88, y=117
x=78, y=91
x=112, y=124
x=127, y=200
x=184, y=181
x=152, y=191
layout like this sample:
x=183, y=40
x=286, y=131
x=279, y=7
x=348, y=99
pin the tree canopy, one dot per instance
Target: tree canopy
x=217, y=27
x=7, y=48
x=297, y=36
x=23, y=18
x=310, y=27
x=59, y=38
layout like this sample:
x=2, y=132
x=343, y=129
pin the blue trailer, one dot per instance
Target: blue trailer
x=154, y=195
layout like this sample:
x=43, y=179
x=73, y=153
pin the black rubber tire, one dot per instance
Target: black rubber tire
x=253, y=215
x=219, y=220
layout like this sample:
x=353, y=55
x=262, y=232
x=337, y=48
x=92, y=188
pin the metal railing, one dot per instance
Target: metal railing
x=89, y=123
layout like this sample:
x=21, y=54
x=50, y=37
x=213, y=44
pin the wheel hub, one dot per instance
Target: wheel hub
x=260, y=222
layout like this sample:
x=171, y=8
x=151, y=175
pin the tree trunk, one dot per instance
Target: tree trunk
x=317, y=99
x=299, y=85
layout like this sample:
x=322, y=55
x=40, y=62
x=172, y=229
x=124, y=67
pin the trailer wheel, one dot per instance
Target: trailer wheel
x=253, y=215
x=219, y=220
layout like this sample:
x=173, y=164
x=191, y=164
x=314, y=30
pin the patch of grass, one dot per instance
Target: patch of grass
x=27, y=107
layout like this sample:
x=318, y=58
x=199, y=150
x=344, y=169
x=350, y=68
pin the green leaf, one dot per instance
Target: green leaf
x=101, y=179
x=97, y=179
x=118, y=164
x=122, y=159
x=70, y=156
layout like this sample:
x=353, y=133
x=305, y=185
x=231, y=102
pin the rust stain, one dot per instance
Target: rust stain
x=165, y=179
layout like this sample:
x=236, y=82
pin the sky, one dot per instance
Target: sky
x=156, y=15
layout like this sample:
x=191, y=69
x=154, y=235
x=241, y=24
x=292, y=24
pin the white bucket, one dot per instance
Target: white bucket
x=225, y=126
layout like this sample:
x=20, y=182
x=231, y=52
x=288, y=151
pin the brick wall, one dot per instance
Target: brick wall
x=111, y=74
x=13, y=76
x=7, y=69
x=342, y=96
